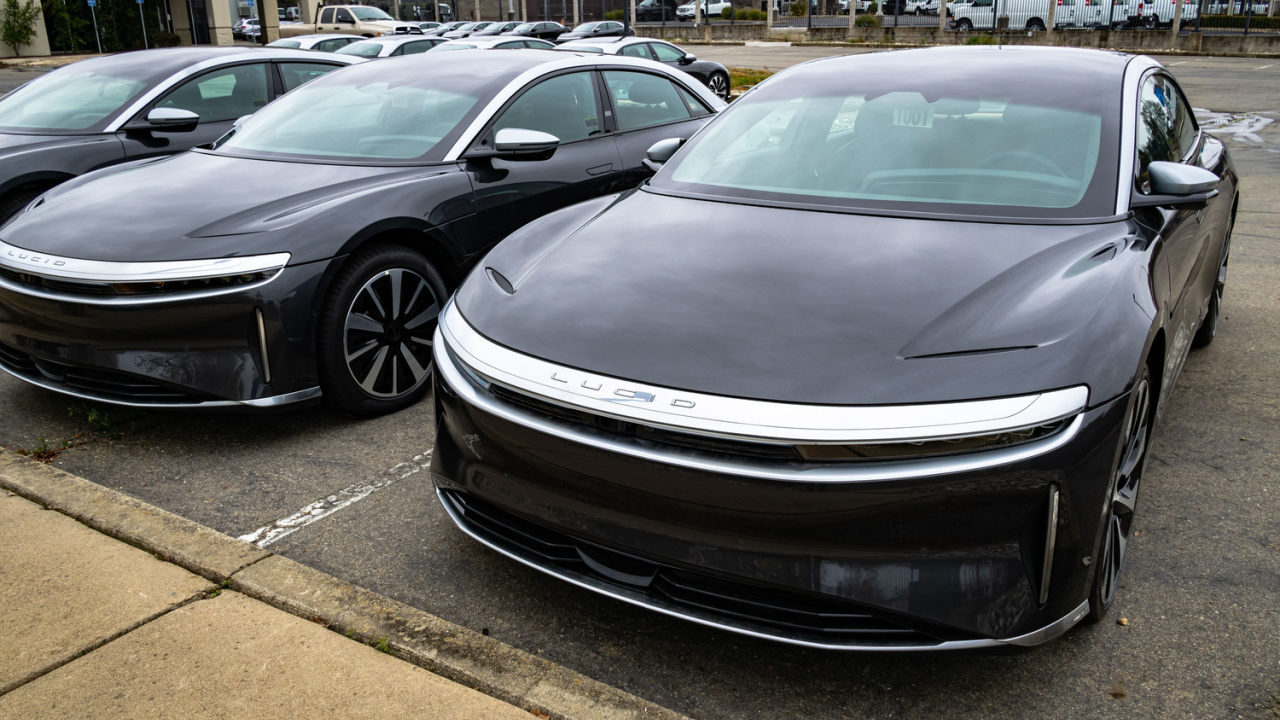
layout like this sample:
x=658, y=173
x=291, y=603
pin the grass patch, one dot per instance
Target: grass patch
x=743, y=78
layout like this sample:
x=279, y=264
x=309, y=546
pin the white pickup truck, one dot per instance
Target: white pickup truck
x=350, y=20
x=709, y=9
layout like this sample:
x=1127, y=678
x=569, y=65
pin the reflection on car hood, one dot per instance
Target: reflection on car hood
x=804, y=306
x=192, y=205
x=15, y=143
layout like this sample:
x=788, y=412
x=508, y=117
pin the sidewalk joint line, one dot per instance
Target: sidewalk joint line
x=331, y=504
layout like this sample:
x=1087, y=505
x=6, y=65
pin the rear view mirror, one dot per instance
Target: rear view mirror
x=1177, y=184
x=172, y=120
x=660, y=152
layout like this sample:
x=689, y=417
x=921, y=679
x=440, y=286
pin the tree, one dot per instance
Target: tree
x=19, y=25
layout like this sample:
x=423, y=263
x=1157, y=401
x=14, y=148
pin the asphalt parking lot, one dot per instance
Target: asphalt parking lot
x=1202, y=589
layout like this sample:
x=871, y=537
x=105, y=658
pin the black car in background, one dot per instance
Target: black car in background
x=310, y=250
x=603, y=28
x=496, y=29
x=712, y=74
x=541, y=30
x=873, y=362
x=135, y=105
x=656, y=10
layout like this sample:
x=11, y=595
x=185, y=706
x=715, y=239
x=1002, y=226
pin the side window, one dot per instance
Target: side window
x=224, y=94
x=642, y=100
x=696, y=108
x=564, y=106
x=666, y=53
x=1155, y=142
x=295, y=73
x=326, y=15
x=414, y=48
x=1184, y=120
x=638, y=50
x=343, y=15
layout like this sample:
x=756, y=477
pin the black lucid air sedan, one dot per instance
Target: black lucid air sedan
x=871, y=363
x=112, y=109
x=311, y=249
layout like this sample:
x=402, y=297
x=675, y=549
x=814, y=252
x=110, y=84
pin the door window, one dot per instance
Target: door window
x=295, y=73
x=344, y=16
x=641, y=100
x=413, y=48
x=638, y=50
x=326, y=15
x=666, y=53
x=1166, y=128
x=224, y=94
x=563, y=106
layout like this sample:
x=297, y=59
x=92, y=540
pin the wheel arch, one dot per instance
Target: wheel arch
x=44, y=178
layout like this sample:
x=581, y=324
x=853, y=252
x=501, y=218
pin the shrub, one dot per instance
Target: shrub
x=873, y=8
x=799, y=8
x=613, y=15
x=866, y=20
x=982, y=40
x=727, y=13
x=164, y=39
x=19, y=26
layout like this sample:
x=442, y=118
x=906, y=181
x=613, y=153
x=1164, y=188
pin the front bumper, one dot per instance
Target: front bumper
x=201, y=352
x=884, y=561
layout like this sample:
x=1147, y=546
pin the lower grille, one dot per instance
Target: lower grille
x=697, y=594
x=105, y=384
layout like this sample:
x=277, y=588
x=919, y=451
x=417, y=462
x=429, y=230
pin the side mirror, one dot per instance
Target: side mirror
x=687, y=59
x=518, y=144
x=172, y=120
x=660, y=152
x=1177, y=184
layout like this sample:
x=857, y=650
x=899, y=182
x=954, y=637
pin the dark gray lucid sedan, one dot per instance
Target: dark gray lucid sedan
x=871, y=363
x=113, y=109
x=311, y=249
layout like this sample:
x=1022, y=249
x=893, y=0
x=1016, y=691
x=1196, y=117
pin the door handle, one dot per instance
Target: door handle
x=1200, y=216
x=600, y=169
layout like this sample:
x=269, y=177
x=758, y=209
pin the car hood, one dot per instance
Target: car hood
x=811, y=307
x=188, y=206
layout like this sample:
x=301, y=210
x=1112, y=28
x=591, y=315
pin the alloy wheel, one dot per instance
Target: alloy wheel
x=1124, y=493
x=387, y=333
x=719, y=85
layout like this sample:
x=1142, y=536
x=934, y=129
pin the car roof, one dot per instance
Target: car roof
x=165, y=61
x=321, y=36
x=394, y=40
x=484, y=41
x=1046, y=63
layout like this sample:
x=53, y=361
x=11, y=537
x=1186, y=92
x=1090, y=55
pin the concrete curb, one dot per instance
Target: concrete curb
x=454, y=652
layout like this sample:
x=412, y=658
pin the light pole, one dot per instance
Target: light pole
x=142, y=20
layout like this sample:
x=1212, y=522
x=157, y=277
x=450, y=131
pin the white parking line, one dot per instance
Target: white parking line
x=1177, y=63
x=1264, y=67
x=319, y=509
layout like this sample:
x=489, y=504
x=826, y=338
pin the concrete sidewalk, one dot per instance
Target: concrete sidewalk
x=94, y=628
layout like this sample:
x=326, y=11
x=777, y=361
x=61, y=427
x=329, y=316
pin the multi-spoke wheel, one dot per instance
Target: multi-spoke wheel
x=1209, y=328
x=719, y=84
x=1122, y=497
x=376, y=327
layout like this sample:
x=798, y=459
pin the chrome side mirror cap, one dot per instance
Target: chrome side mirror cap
x=519, y=141
x=660, y=152
x=172, y=119
x=1170, y=178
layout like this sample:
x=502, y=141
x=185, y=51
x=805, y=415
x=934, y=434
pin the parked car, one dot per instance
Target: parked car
x=493, y=43
x=441, y=30
x=868, y=364
x=1149, y=14
x=923, y=7
x=310, y=250
x=320, y=42
x=108, y=110
x=465, y=30
x=241, y=26
x=393, y=46
x=497, y=29
x=709, y=9
x=541, y=30
x=656, y=10
x=604, y=28
x=1019, y=14
x=712, y=74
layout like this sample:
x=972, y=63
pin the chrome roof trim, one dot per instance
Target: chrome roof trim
x=261, y=403
x=748, y=419
x=103, y=271
x=585, y=62
x=1133, y=73
x=1035, y=637
x=249, y=55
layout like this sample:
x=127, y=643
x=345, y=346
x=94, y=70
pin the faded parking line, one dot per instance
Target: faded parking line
x=325, y=507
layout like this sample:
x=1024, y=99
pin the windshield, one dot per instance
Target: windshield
x=285, y=44
x=73, y=98
x=363, y=116
x=446, y=47
x=363, y=49
x=581, y=48
x=369, y=13
x=1029, y=151
x=584, y=27
x=522, y=28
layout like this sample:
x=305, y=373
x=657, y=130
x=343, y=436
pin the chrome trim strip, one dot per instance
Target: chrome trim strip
x=262, y=346
x=745, y=467
x=129, y=300
x=267, y=402
x=1034, y=637
x=741, y=418
x=1050, y=543
x=583, y=62
x=1133, y=74
x=103, y=271
x=173, y=80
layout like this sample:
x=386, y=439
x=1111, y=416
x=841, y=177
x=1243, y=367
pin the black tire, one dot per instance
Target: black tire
x=373, y=348
x=963, y=25
x=1035, y=24
x=1122, y=497
x=15, y=201
x=1151, y=22
x=1209, y=328
x=718, y=83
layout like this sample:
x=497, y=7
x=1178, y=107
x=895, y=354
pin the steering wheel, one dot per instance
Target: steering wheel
x=1037, y=160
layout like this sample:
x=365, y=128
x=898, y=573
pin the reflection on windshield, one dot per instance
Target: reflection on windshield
x=584, y=27
x=363, y=49
x=369, y=13
x=898, y=147
x=374, y=120
x=67, y=101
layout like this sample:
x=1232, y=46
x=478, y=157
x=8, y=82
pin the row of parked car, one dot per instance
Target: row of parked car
x=1034, y=14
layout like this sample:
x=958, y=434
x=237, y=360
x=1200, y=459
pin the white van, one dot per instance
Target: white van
x=1034, y=14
